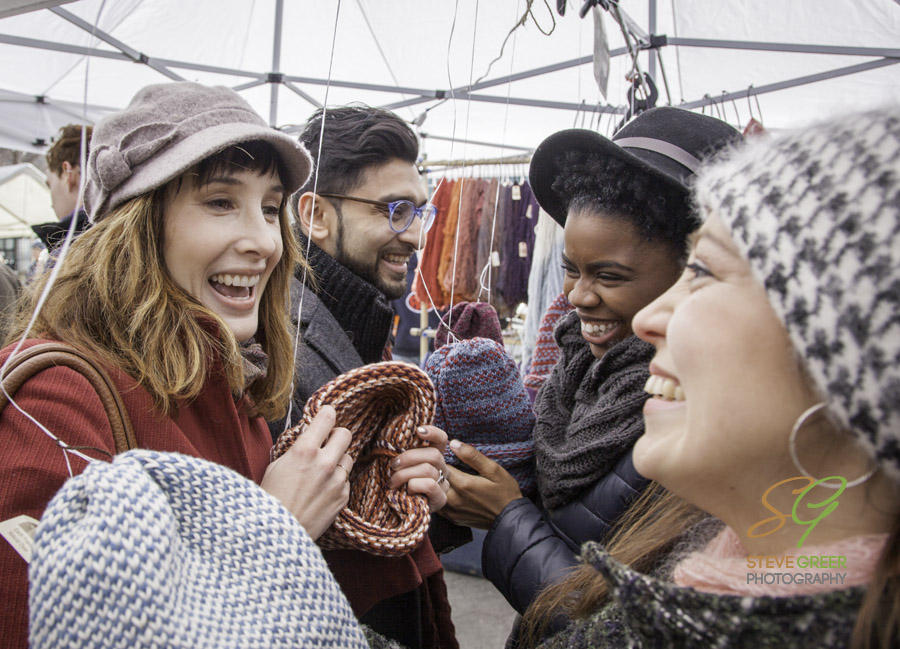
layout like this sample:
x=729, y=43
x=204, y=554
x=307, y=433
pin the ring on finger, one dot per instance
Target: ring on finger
x=346, y=472
x=442, y=478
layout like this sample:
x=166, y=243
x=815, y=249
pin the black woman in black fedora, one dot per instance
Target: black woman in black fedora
x=626, y=209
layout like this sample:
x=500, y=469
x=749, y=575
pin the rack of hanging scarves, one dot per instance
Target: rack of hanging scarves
x=508, y=250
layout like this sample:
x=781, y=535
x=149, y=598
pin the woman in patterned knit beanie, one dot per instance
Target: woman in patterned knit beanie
x=775, y=409
x=625, y=207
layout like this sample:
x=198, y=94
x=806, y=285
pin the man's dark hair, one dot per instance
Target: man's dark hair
x=356, y=137
x=659, y=211
x=67, y=147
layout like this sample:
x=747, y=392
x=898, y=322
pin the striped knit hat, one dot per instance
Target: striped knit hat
x=481, y=401
x=546, y=351
x=164, y=550
x=817, y=212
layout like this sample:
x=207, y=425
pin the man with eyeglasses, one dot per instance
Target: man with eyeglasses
x=362, y=215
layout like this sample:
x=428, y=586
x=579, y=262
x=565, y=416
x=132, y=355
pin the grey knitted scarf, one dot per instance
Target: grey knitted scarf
x=588, y=412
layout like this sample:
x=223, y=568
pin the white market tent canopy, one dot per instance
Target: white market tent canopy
x=783, y=63
x=24, y=200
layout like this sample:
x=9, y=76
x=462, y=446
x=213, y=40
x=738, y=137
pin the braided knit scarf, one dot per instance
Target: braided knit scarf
x=589, y=412
x=381, y=404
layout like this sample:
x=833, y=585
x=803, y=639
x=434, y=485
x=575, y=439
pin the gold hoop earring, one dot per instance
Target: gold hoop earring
x=792, y=449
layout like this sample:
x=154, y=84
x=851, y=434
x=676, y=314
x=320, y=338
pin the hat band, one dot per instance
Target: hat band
x=662, y=147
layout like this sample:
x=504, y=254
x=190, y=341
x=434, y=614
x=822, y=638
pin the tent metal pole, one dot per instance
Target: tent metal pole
x=249, y=84
x=651, y=27
x=119, y=56
x=62, y=47
x=429, y=95
x=356, y=85
x=131, y=53
x=538, y=103
x=290, y=86
x=799, y=81
x=799, y=48
x=276, y=64
x=444, y=138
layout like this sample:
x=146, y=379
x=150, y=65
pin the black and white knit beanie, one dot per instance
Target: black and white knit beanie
x=817, y=212
x=164, y=550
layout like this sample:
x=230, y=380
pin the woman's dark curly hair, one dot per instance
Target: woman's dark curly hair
x=600, y=183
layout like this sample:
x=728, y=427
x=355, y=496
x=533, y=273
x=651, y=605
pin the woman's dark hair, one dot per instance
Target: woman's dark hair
x=597, y=182
x=355, y=138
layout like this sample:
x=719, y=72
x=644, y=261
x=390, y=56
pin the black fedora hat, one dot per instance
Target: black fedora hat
x=666, y=143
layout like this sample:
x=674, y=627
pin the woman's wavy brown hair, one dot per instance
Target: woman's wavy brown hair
x=644, y=537
x=114, y=298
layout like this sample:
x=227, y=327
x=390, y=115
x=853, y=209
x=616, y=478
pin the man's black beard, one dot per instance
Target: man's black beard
x=366, y=273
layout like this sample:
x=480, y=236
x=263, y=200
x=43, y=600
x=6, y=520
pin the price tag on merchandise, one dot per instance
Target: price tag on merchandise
x=495, y=259
x=523, y=249
x=516, y=193
x=19, y=532
x=528, y=210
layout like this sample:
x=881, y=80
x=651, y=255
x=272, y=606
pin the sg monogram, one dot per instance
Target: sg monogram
x=826, y=506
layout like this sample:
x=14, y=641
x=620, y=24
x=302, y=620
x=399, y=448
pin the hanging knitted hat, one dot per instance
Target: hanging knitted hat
x=382, y=405
x=817, y=213
x=481, y=401
x=469, y=320
x=165, y=550
x=546, y=351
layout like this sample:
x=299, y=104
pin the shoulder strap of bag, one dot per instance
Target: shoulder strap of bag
x=40, y=357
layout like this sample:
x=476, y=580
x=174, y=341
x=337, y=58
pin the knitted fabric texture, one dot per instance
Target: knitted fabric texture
x=165, y=550
x=817, y=213
x=469, y=320
x=481, y=401
x=381, y=404
x=546, y=351
x=518, y=244
x=646, y=612
x=589, y=412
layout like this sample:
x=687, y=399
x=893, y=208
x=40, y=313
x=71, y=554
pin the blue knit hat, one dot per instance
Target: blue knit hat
x=164, y=550
x=481, y=401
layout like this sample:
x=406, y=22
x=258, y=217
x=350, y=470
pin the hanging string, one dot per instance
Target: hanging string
x=60, y=259
x=677, y=52
x=384, y=58
x=489, y=265
x=462, y=180
x=312, y=216
x=423, y=238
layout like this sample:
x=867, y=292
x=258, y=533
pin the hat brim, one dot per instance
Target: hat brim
x=296, y=161
x=546, y=165
x=695, y=134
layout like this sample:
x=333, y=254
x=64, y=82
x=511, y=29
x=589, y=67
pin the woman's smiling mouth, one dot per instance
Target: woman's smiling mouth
x=236, y=287
x=599, y=333
x=662, y=387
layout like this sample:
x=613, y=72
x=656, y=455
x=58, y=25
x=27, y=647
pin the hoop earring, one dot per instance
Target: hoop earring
x=792, y=442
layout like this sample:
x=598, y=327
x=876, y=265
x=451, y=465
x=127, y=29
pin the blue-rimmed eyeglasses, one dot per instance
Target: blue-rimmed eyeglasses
x=400, y=213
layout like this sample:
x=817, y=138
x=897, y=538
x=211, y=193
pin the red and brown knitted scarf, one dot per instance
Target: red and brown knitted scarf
x=381, y=404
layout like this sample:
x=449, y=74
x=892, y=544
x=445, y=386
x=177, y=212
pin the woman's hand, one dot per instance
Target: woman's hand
x=311, y=479
x=476, y=500
x=423, y=470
